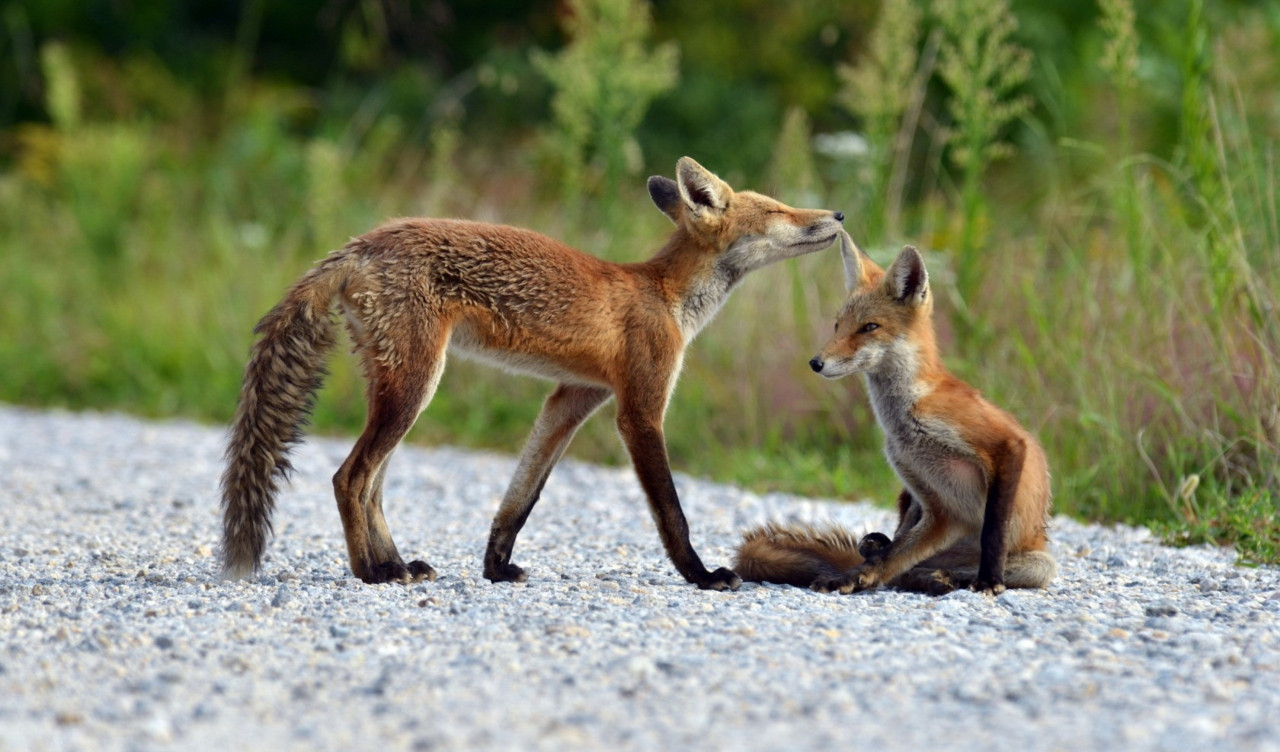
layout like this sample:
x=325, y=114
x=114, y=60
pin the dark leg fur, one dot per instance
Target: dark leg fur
x=995, y=522
x=384, y=548
x=648, y=450
x=394, y=405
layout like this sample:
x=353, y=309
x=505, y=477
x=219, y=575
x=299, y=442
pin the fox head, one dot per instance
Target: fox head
x=886, y=318
x=746, y=230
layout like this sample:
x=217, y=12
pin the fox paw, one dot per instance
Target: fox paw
x=940, y=583
x=854, y=581
x=505, y=573
x=988, y=588
x=398, y=571
x=874, y=545
x=721, y=579
x=419, y=570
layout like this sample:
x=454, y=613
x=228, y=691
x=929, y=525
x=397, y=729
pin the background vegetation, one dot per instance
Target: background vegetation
x=1096, y=192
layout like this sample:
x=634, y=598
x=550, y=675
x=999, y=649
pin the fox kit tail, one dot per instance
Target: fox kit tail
x=795, y=554
x=800, y=554
x=1029, y=569
x=286, y=368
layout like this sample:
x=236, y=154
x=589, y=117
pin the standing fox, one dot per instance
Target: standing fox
x=414, y=288
x=976, y=502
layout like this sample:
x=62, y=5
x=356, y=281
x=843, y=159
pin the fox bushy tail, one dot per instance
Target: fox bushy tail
x=795, y=554
x=286, y=369
x=799, y=554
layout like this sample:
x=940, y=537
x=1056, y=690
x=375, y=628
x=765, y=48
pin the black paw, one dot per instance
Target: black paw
x=874, y=546
x=854, y=581
x=504, y=573
x=388, y=571
x=721, y=579
x=397, y=571
x=420, y=570
x=988, y=588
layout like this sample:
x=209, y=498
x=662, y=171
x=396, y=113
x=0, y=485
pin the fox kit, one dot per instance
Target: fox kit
x=413, y=289
x=976, y=502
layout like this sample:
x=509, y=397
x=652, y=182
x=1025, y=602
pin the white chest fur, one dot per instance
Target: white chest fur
x=927, y=452
x=703, y=301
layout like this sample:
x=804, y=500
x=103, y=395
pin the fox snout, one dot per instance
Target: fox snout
x=830, y=369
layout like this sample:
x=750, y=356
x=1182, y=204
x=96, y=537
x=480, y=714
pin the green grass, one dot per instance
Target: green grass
x=1125, y=304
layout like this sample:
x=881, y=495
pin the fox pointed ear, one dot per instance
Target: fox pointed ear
x=907, y=279
x=700, y=189
x=854, y=270
x=666, y=195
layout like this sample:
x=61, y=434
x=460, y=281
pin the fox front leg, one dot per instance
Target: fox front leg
x=640, y=425
x=1002, y=492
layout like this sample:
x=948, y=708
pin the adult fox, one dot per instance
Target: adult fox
x=975, y=506
x=412, y=289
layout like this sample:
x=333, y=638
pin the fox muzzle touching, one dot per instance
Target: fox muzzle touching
x=974, y=510
x=413, y=290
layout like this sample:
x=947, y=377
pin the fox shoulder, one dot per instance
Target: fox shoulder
x=795, y=554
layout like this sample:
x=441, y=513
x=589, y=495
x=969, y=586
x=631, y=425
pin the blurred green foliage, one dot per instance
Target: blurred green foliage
x=423, y=61
x=596, y=106
x=167, y=169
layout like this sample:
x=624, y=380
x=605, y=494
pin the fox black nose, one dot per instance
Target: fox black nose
x=816, y=364
x=839, y=216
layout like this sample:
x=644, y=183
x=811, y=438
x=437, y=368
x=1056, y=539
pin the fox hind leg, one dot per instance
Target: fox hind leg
x=396, y=397
x=926, y=537
x=931, y=581
x=384, y=548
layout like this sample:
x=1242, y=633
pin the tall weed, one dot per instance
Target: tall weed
x=604, y=80
x=983, y=68
x=879, y=90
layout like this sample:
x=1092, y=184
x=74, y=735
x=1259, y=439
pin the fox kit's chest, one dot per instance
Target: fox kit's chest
x=927, y=451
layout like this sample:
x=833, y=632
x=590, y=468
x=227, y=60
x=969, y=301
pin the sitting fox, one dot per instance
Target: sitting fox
x=414, y=288
x=975, y=505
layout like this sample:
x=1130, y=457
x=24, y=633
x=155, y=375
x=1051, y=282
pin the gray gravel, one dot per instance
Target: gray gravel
x=115, y=632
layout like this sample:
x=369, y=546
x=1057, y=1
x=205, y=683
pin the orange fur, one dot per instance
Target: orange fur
x=414, y=289
x=977, y=496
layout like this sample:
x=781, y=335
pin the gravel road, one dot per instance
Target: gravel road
x=116, y=633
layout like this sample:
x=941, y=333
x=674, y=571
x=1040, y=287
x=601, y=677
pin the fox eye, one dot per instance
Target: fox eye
x=868, y=327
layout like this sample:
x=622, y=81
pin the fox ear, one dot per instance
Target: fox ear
x=854, y=271
x=666, y=195
x=700, y=189
x=907, y=279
